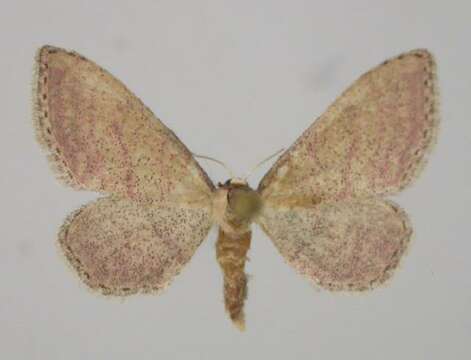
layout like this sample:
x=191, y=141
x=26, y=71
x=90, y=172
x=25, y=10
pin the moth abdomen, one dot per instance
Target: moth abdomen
x=231, y=253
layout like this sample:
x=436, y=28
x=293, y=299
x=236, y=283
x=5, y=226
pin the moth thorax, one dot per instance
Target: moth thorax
x=240, y=205
x=243, y=202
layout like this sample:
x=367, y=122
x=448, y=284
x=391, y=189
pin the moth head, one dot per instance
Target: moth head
x=235, y=181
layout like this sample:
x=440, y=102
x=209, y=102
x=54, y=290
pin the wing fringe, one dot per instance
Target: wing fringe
x=42, y=126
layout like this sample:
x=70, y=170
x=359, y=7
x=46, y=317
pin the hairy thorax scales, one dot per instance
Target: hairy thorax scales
x=235, y=207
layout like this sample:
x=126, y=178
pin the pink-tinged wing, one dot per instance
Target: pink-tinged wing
x=373, y=140
x=122, y=247
x=349, y=245
x=101, y=137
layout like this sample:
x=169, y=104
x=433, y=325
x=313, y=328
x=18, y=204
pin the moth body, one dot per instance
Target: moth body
x=235, y=207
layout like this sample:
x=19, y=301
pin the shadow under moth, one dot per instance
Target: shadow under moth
x=322, y=203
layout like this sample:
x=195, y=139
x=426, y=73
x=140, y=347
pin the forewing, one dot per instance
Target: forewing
x=349, y=245
x=122, y=247
x=373, y=140
x=101, y=137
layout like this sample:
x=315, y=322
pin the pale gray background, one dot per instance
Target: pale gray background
x=236, y=80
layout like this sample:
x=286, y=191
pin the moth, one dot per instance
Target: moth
x=323, y=203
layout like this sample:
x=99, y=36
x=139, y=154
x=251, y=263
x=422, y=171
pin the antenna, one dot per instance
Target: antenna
x=262, y=162
x=217, y=162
